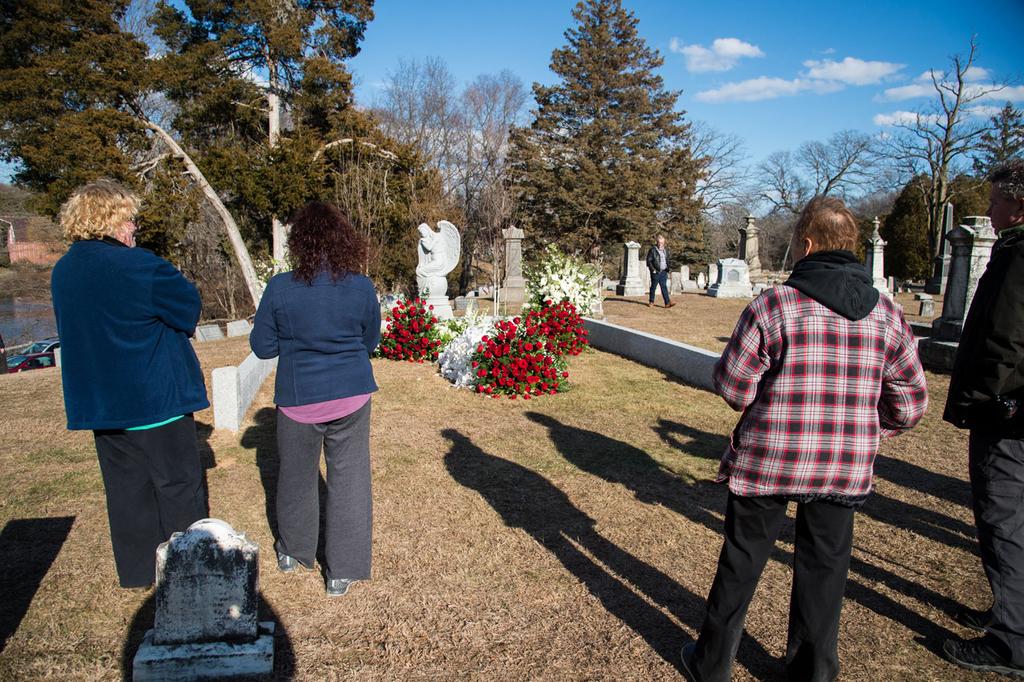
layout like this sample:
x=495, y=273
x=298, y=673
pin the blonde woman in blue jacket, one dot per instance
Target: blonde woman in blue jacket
x=322, y=321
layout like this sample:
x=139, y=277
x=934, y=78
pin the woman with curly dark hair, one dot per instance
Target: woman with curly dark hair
x=322, y=321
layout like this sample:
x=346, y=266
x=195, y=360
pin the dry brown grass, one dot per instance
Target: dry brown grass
x=571, y=537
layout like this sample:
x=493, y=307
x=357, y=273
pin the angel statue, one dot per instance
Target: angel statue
x=438, y=254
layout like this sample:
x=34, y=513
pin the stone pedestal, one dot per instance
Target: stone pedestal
x=876, y=260
x=630, y=283
x=434, y=292
x=936, y=284
x=970, y=250
x=733, y=280
x=207, y=594
x=749, y=246
x=514, y=287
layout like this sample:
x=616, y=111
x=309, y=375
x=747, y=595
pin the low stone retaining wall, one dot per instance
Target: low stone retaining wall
x=688, y=363
x=234, y=389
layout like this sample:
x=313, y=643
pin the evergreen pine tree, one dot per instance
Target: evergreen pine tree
x=607, y=158
x=1004, y=141
x=906, y=231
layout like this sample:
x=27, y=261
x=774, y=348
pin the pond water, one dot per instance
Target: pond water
x=22, y=321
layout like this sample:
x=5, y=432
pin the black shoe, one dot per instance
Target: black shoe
x=974, y=620
x=288, y=564
x=689, y=671
x=980, y=656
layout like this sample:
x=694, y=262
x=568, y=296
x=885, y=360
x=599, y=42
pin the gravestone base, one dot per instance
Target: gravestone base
x=209, y=660
x=937, y=355
x=631, y=288
x=731, y=290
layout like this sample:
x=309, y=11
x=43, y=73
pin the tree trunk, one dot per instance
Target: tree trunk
x=278, y=233
x=252, y=281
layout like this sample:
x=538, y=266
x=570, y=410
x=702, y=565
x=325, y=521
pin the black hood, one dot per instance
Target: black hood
x=838, y=281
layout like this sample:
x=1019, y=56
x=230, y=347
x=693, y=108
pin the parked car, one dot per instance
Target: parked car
x=45, y=346
x=23, y=362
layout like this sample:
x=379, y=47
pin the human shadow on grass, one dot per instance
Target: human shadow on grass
x=142, y=621
x=263, y=437
x=28, y=547
x=703, y=502
x=917, y=477
x=527, y=500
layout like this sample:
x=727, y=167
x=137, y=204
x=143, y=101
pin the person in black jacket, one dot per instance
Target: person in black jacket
x=658, y=260
x=986, y=395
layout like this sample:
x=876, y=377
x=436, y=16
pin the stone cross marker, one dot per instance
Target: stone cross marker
x=876, y=260
x=514, y=287
x=630, y=283
x=749, y=247
x=207, y=596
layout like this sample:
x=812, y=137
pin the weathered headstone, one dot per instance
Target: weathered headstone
x=876, y=260
x=239, y=328
x=749, y=246
x=209, y=332
x=970, y=250
x=675, y=282
x=702, y=281
x=936, y=284
x=733, y=280
x=630, y=283
x=461, y=303
x=927, y=308
x=207, y=597
x=514, y=287
x=712, y=273
x=609, y=284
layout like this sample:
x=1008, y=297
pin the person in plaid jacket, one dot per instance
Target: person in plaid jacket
x=822, y=368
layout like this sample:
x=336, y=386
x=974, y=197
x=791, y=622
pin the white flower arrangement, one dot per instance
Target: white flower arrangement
x=559, y=277
x=456, y=359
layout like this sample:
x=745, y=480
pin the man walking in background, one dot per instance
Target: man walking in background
x=658, y=263
x=986, y=393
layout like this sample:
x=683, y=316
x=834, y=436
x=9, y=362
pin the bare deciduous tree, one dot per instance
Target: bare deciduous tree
x=937, y=140
x=726, y=176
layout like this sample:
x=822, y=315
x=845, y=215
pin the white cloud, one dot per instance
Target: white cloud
x=723, y=54
x=906, y=92
x=851, y=70
x=976, y=73
x=757, y=89
x=903, y=118
x=830, y=50
x=983, y=111
x=980, y=91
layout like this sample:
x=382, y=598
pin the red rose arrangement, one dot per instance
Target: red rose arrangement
x=409, y=333
x=528, y=356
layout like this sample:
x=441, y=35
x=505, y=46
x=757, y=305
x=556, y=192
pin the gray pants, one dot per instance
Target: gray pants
x=997, y=492
x=349, y=522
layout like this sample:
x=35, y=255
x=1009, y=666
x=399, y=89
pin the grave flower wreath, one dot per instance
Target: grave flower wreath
x=528, y=356
x=410, y=333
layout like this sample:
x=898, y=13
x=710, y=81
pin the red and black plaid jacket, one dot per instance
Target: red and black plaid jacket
x=817, y=391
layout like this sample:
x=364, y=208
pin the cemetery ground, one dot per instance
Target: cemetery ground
x=566, y=537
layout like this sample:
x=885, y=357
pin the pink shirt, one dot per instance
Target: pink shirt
x=327, y=411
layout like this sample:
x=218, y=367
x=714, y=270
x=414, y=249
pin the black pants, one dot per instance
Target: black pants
x=154, y=485
x=348, y=528
x=824, y=536
x=659, y=279
x=997, y=493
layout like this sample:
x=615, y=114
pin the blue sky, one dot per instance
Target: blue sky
x=780, y=73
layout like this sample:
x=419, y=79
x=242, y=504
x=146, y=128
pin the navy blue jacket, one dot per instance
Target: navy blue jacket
x=124, y=317
x=323, y=335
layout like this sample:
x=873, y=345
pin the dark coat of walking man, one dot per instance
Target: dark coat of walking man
x=986, y=395
x=658, y=260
